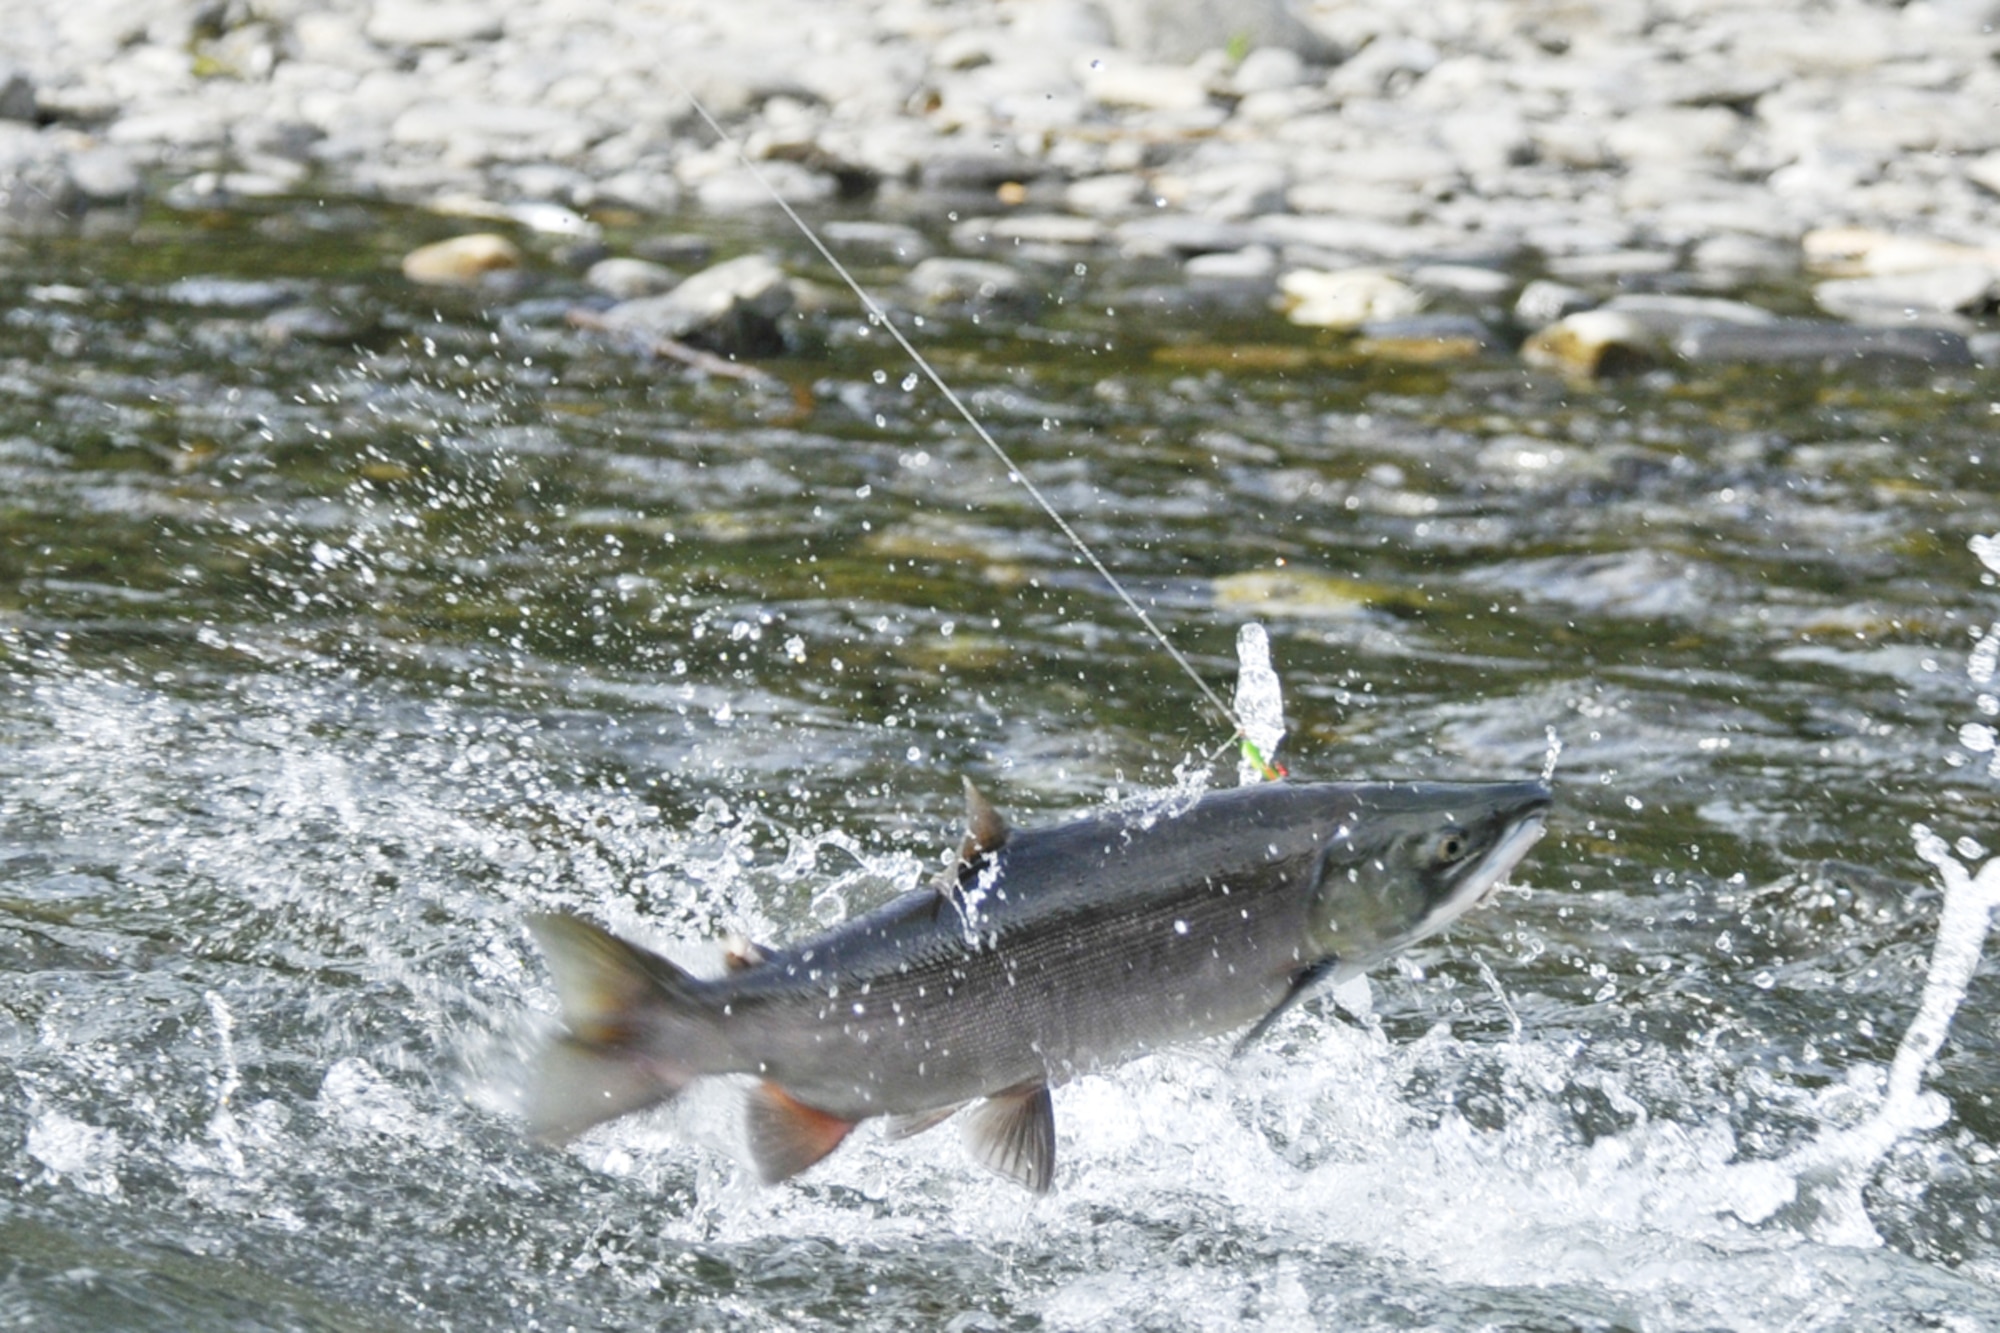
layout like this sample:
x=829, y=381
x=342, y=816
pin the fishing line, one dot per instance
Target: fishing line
x=1014, y=472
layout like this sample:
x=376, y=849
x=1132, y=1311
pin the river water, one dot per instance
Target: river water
x=324, y=660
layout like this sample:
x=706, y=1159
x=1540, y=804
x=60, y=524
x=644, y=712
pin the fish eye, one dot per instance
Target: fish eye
x=1450, y=845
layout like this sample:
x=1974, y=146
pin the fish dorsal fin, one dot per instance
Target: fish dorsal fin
x=1014, y=1133
x=787, y=1136
x=985, y=830
x=740, y=953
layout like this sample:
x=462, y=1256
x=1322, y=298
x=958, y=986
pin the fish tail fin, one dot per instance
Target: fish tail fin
x=619, y=1001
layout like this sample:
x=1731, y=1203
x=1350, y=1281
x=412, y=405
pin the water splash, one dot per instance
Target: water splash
x=1260, y=704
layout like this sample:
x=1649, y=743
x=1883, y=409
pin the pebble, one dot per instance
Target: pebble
x=732, y=308
x=1346, y=299
x=893, y=242
x=17, y=95
x=244, y=294
x=397, y=23
x=1592, y=344
x=1955, y=288
x=1425, y=339
x=627, y=278
x=1543, y=302
x=939, y=282
x=461, y=261
x=1716, y=147
x=1174, y=235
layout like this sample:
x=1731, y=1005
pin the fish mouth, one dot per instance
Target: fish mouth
x=1485, y=879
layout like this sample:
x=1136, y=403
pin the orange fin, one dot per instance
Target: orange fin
x=1014, y=1133
x=786, y=1135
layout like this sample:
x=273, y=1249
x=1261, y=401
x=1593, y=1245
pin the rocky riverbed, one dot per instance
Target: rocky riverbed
x=1403, y=169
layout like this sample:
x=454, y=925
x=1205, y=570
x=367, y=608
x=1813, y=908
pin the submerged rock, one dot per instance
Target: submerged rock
x=1809, y=340
x=970, y=282
x=732, y=308
x=627, y=278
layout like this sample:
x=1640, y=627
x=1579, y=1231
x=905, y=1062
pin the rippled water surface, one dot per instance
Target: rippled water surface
x=325, y=659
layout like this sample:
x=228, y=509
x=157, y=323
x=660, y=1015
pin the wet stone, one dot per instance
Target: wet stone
x=890, y=241
x=1346, y=299
x=246, y=294
x=1592, y=344
x=461, y=261
x=940, y=282
x=1802, y=340
x=1543, y=302
x=732, y=308
x=1426, y=339
x=17, y=94
x=1958, y=288
x=626, y=278
x=1170, y=235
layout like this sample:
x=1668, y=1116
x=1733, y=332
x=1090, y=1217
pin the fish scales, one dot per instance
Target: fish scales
x=1039, y=975
x=1049, y=954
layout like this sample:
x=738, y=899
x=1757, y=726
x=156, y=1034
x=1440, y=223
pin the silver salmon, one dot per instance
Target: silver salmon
x=1042, y=955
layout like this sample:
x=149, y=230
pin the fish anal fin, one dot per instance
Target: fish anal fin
x=909, y=1126
x=1014, y=1133
x=787, y=1136
x=985, y=830
x=1302, y=984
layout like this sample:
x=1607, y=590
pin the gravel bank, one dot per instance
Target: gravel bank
x=1614, y=146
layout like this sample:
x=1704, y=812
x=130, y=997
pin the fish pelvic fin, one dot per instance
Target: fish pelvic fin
x=617, y=998
x=787, y=1136
x=1014, y=1133
x=909, y=1126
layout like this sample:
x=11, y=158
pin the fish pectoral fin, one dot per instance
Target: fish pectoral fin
x=909, y=1126
x=1014, y=1133
x=1301, y=985
x=787, y=1136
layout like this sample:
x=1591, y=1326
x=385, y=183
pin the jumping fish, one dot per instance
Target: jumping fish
x=1041, y=955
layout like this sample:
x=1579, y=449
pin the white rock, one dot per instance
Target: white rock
x=1107, y=195
x=1346, y=299
x=942, y=281
x=1958, y=288
x=1151, y=87
x=427, y=23
x=1184, y=29
x=1252, y=263
x=627, y=278
x=1268, y=69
